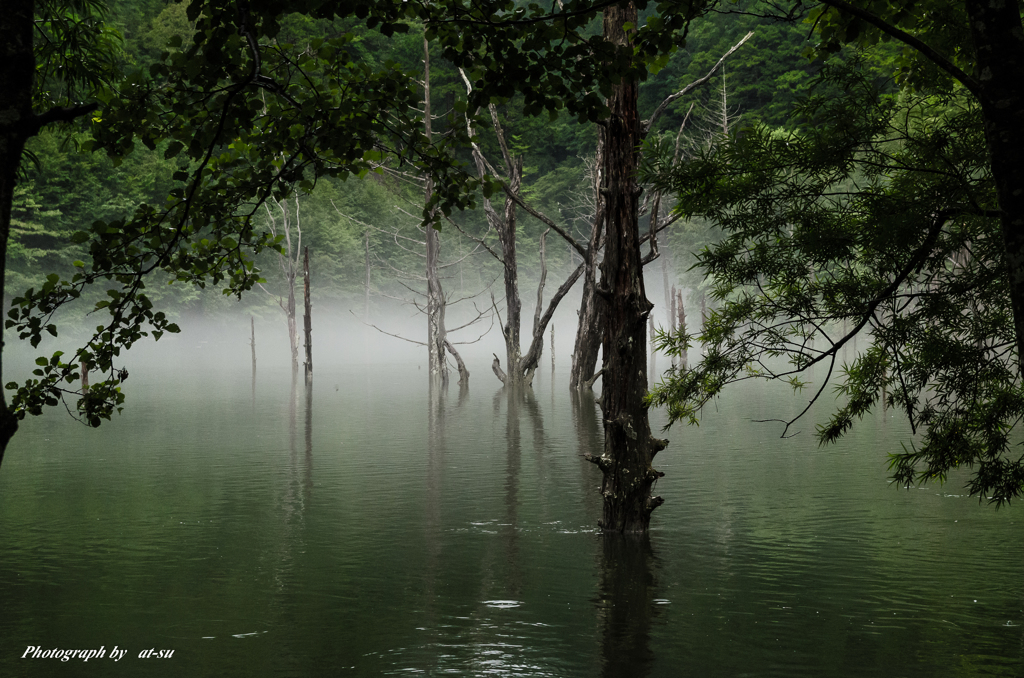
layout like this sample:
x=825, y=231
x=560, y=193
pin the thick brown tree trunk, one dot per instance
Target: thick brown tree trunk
x=999, y=50
x=17, y=69
x=629, y=446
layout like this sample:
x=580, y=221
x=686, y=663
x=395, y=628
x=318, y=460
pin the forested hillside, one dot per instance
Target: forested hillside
x=66, y=189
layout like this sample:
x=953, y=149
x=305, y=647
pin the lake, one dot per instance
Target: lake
x=368, y=527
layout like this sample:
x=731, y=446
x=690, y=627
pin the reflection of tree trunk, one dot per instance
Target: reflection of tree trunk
x=629, y=447
x=588, y=435
x=626, y=606
x=436, y=442
x=293, y=415
x=308, y=481
x=510, y=529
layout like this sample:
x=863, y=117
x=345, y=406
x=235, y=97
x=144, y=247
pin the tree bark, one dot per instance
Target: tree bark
x=435, y=295
x=552, y=347
x=629, y=446
x=293, y=331
x=513, y=305
x=590, y=315
x=463, y=372
x=999, y=50
x=17, y=70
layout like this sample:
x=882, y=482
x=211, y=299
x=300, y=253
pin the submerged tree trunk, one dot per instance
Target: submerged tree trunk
x=252, y=341
x=293, y=331
x=521, y=366
x=307, y=319
x=552, y=347
x=673, y=311
x=513, y=305
x=588, y=330
x=628, y=446
x=463, y=372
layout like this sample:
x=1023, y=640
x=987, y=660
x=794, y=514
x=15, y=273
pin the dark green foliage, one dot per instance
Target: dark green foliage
x=877, y=213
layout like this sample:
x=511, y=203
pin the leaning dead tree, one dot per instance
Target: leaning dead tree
x=520, y=366
x=284, y=221
x=430, y=299
x=409, y=237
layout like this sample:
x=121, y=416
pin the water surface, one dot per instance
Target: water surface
x=368, y=527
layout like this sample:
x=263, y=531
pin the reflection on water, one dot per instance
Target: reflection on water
x=452, y=533
x=625, y=606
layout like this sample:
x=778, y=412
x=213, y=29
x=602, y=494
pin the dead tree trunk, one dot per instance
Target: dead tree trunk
x=552, y=347
x=629, y=446
x=521, y=367
x=673, y=314
x=435, y=295
x=513, y=305
x=366, y=301
x=463, y=372
x=650, y=335
x=681, y=326
x=591, y=313
x=252, y=340
x=307, y=319
x=293, y=332
x=289, y=261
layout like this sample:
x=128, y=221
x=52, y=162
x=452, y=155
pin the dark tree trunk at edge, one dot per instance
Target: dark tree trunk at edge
x=17, y=70
x=999, y=50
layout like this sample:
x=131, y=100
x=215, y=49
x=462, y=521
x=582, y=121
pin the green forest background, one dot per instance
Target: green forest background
x=65, y=189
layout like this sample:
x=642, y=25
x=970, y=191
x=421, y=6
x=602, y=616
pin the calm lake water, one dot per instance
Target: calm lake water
x=367, y=528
